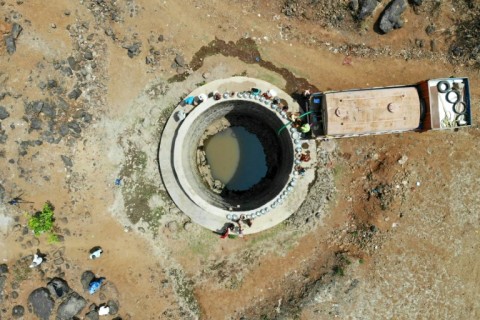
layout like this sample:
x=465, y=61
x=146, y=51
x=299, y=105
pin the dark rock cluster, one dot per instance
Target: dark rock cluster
x=12, y=37
x=391, y=18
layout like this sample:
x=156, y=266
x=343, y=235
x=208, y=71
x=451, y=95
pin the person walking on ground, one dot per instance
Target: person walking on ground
x=17, y=200
x=95, y=252
x=95, y=284
x=103, y=310
x=37, y=260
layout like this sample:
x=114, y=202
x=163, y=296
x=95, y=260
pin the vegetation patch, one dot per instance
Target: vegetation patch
x=184, y=290
x=201, y=243
x=21, y=270
x=139, y=192
x=42, y=222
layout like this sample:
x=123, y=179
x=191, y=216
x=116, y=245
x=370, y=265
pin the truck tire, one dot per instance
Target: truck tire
x=460, y=107
x=452, y=96
x=423, y=111
x=443, y=86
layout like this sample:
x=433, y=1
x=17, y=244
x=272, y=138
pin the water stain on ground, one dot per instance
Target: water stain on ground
x=246, y=50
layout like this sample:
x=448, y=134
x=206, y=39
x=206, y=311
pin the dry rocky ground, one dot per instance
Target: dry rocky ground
x=390, y=227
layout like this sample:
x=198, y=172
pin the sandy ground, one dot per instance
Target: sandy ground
x=411, y=253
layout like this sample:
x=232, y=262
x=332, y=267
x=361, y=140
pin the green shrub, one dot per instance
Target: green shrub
x=53, y=238
x=42, y=221
x=338, y=271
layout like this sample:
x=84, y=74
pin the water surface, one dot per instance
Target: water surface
x=236, y=158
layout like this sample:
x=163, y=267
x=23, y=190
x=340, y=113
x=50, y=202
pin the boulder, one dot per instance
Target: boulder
x=391, y=17
x=88, y=55
x=71, y=306
x=180, y=60
x=10, y=44
x=36, y=124
x=58, y=287
x=366, y=8
x=3, y=266
x=3, y=113
x=3, y=280
x=92, y=315
x=48, y=110
x=16, y=29
x=87, y=277
x=134, y=49
x=18, y=311
x=74, y=94
x=113, y=305
x=66, y=161
x=63, y=104
x=75, y=127
x=73, y=63
x=67, y=71
x=52, y=83
x=41, y=303
x=63, y=130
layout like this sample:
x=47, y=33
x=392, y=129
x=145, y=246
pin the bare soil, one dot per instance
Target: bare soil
x=390, y=228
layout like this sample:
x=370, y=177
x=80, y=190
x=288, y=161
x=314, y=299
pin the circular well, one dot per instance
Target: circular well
x=259, y=120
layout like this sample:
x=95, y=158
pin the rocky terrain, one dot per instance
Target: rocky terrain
x=390, y=227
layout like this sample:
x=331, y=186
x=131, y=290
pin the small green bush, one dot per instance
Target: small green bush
x=338, y=271
x=42, y=221
x=53, y=238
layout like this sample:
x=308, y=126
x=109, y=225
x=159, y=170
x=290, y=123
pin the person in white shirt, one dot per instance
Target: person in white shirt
x=37, y=260
x=103, y=310
x=95, y=252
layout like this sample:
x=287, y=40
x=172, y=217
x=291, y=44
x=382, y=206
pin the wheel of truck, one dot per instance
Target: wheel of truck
x=443, y=86
x=453, y=96
x=423, y=111
x=460, y=107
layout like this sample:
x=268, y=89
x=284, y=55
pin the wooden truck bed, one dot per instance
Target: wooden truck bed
x=370, y=111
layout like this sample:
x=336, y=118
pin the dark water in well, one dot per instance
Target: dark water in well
x=236, y=158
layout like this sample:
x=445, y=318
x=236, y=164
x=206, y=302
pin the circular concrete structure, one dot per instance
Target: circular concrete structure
x=257, y=115
x=270, y=201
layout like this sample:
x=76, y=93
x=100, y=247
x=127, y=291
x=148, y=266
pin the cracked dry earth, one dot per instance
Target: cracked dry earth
x=390, y=227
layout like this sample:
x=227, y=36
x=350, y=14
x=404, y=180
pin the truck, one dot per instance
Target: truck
x=435, y=104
